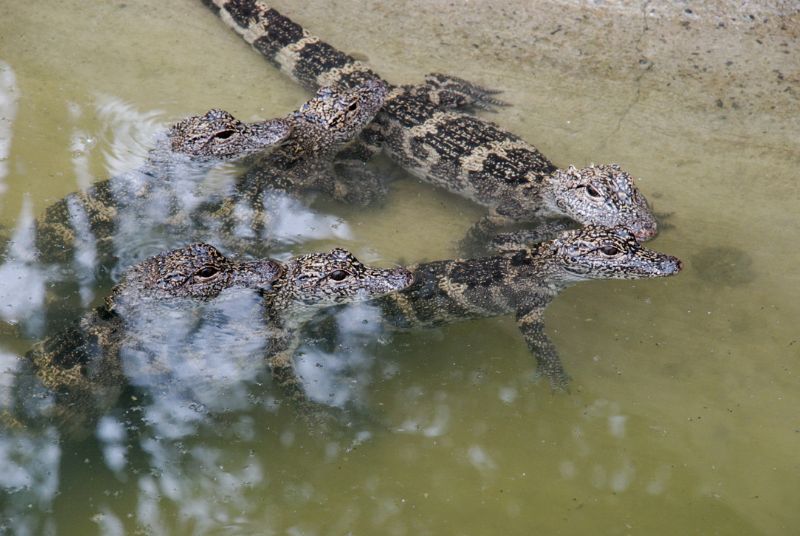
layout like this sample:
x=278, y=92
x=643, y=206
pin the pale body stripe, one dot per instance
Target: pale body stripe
x=288, y=56
x=331, y=77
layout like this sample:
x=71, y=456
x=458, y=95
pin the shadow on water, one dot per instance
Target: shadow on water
x=723, y=266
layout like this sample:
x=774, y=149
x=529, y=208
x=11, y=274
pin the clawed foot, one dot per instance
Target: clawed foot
x=559, y=380
x=457, y=93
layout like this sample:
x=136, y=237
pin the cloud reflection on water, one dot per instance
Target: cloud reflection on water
x=8, y=111
x=22, y=280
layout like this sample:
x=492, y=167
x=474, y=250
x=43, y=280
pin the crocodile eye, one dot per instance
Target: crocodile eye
x=592, y=191
x=610, y=251
x=338, y=275
x=206, y=272
x=224, y=134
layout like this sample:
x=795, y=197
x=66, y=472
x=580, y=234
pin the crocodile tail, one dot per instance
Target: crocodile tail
x=284, y=43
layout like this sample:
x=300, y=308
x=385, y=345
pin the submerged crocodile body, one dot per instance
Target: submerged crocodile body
x=79, y=373
x=522, y=282
x=310, y=283
x=420, y=130
x=293, y=153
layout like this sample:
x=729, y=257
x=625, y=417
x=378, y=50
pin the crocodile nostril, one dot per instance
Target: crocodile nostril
x=674, y=265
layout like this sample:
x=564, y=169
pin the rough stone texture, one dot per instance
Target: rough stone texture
x=738, y=52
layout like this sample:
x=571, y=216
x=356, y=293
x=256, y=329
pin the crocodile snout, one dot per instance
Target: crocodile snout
x=645, y=231
x=399, y=278
x=259, y=275
x=406, y=277
x=671, y=265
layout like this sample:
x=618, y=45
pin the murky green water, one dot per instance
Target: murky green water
x=683, y=416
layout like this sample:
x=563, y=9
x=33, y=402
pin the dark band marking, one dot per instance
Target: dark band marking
x=278, y=33
x=316, y=59
x=241, y=12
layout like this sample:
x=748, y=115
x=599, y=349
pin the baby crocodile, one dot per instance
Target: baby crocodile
x=80, y=372
x=321, y=128
x=80, y=369
x=469, y=156
x=90, y=219
x=311, y=282
x=162, y=194
x=523, y=282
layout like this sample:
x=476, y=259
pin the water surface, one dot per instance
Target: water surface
x=682, y=417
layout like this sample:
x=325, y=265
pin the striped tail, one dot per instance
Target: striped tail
x=304, y=57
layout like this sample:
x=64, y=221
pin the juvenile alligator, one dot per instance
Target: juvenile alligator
x=312, y=282
x=321, y=128
x=420, y=130
x=522, y=281
x=294, y=153
x=79, y=372
x=90, y=219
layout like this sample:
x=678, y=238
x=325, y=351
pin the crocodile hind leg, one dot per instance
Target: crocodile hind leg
x=455, y=93
x=530, y=322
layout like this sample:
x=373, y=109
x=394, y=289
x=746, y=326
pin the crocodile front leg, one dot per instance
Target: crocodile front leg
x=524, y=238
x=281, y=347
x=353, y=180
x=475, y=241
x=356, y=184
x=530, y=321
x=319, y=418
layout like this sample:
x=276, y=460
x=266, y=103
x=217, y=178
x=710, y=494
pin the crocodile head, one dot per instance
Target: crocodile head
x=602, y=195
x=220, y=136
x=343, y=113
x=197, y=271
x=86, y=364
x=324, y=279
x=595, y=252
